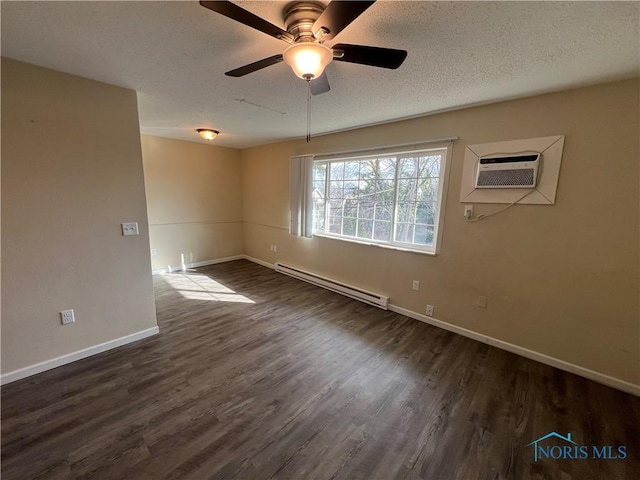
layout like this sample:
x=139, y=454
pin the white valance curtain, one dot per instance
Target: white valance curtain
x=301, y=188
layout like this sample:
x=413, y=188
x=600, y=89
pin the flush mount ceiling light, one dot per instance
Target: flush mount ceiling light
x=207, y=133
x=308, y=59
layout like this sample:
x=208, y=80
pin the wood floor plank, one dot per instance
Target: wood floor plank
x=258, y=376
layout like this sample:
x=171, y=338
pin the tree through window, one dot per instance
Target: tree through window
x=388, y=198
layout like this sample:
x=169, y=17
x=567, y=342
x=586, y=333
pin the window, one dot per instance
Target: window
x=388, y=198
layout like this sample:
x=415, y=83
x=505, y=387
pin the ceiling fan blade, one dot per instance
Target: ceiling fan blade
x=337, y=16
x=247, y=18
x=320, y=85
x=252, y=67
x=373, y=56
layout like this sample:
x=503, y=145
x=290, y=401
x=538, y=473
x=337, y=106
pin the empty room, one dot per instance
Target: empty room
x=320, y=240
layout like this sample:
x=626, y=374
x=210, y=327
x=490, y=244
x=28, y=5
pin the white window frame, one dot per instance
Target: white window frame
x=398, y=152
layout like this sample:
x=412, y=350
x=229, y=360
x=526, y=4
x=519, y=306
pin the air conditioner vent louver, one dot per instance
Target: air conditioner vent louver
x=503, y=178
x=508, y=171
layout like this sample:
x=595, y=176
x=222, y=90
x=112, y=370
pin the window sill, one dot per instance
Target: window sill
x=374, y=244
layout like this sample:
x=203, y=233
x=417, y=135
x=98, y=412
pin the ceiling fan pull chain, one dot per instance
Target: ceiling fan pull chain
x=308, y=111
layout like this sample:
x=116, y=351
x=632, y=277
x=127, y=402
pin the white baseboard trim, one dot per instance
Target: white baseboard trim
x=509, y=347
x=180, y=268
x=79, y=355
x=259, y=262
x=523, y=352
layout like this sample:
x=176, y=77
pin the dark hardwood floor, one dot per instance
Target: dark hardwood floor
x=257, y=376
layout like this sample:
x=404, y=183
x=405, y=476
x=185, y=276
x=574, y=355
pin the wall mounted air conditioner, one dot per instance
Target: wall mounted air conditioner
x=508, y=170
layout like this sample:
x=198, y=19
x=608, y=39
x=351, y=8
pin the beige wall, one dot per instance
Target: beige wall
x=562, y=280
x=71, y=173
x=194, y=201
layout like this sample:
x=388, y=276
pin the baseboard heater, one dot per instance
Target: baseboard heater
x=374, y=299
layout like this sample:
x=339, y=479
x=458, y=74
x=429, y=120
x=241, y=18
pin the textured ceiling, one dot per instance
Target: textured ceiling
x=174, y=54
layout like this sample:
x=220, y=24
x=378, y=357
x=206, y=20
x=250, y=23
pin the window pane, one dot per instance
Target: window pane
x=335, y=209
x=319, y=172
x=318, y=215
x=365, y=229
x=335, y=225
x=336, y=203
x=424, y=235
x=384, y=191
x=430, y=165
x=351, y=189
x=426, y=212
x=351, y=170
x=349, y=227
x=428, y=189
x=350, y=208
x=366, y=209
x=383, y=211
x=365, y=188
x=382, y=231
x=336, y=190
x=318, y=223
x=337, y=170
x=404, y=232
x=408, y=168
x=386, y=168
x=407, y=190
x=405, y=212
x=367, y=168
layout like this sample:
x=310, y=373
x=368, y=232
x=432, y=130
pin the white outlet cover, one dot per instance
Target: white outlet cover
x=468, y=211
x=130, y=228
x=67, y=317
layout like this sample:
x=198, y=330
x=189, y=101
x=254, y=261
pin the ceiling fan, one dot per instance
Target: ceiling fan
x=308, y=26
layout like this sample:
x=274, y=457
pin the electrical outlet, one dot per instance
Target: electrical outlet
x=130, y=228
x=67, y=317
x=416, y=285
x=429, y=310
x=154, y=252
x=468, y=212
x=482, y=302
x=275, y=248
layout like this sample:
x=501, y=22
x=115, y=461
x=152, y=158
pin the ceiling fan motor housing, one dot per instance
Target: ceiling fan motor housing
x=299, y=18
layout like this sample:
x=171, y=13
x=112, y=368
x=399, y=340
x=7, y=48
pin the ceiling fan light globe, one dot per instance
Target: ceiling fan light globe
x=308, y=60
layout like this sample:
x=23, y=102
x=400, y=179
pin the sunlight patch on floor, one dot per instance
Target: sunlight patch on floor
x=200, y=287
